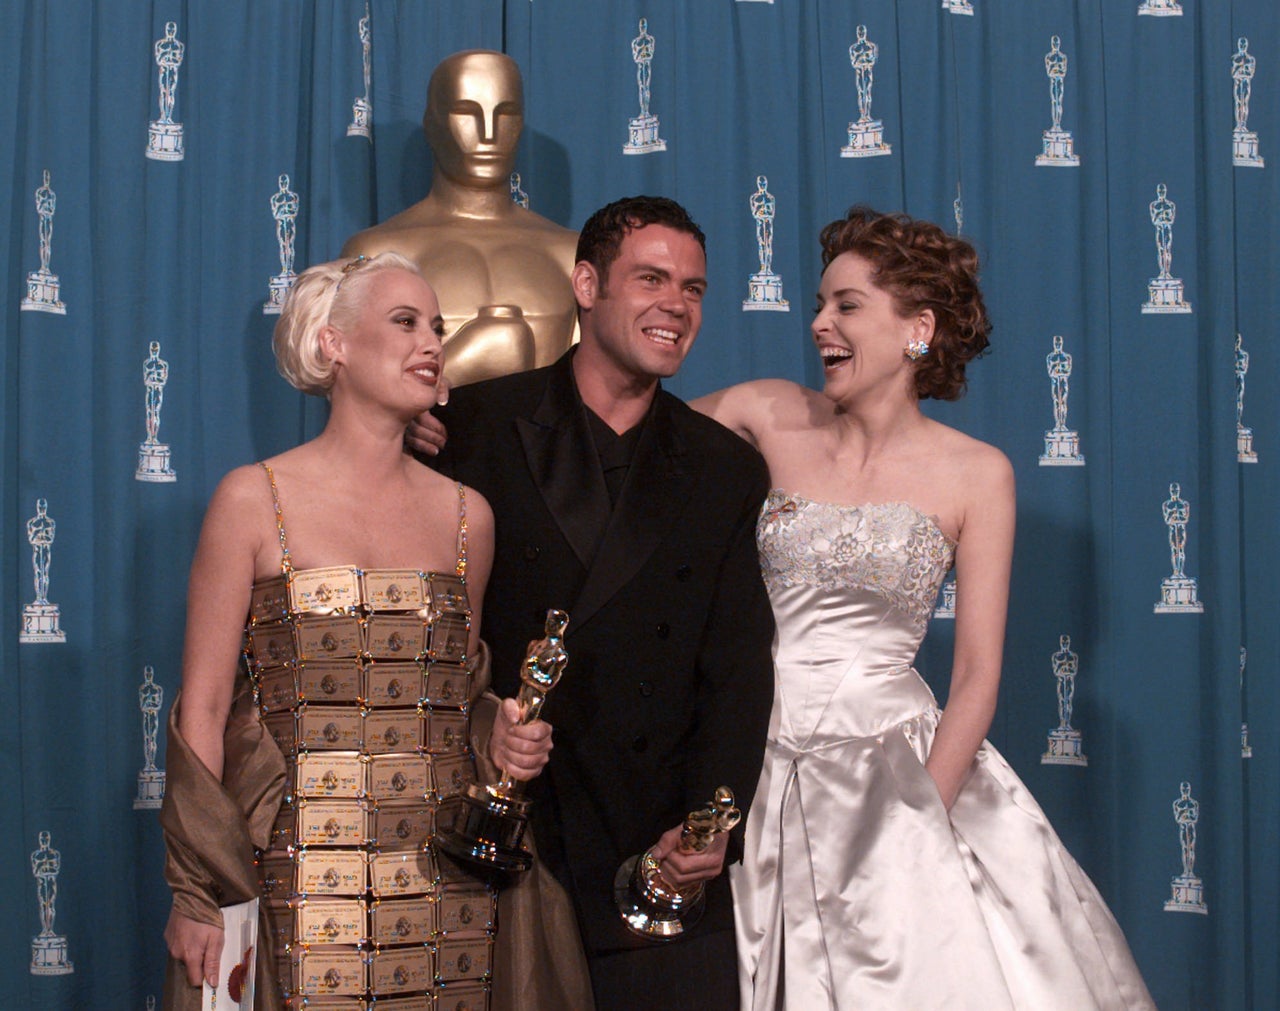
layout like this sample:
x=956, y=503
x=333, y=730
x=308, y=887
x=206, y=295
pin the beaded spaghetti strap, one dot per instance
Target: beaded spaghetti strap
x=286, y=563
x=461, y=567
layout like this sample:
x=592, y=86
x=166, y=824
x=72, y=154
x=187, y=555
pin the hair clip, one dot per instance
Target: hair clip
x=355, y=264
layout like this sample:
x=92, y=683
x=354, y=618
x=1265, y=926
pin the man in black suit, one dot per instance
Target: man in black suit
x=617, y=503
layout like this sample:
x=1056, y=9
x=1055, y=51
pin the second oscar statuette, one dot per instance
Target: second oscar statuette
x=652, y=907
x=489, y=821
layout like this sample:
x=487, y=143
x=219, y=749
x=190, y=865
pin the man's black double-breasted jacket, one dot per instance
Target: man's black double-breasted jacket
x=669, y=683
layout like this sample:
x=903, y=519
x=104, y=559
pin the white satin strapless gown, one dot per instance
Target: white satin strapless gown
x=858, y=889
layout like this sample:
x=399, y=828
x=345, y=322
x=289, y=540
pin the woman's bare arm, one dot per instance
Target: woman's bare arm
x=983, y=561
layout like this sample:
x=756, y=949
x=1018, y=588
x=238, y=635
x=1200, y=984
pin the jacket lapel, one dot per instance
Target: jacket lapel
x=563, y=461
x=659, y=482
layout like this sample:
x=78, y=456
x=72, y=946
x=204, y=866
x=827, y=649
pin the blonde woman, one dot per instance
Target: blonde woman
x=351, y=576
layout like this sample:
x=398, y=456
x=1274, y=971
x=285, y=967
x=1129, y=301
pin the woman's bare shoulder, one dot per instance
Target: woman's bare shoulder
x=242, y=487
x=970, y=462
x=479, y=512
x=974, y=451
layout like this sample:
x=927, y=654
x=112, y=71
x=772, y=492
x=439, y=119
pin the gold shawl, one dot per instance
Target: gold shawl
x=211, y=829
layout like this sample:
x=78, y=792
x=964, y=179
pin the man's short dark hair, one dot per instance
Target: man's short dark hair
x=601, y=237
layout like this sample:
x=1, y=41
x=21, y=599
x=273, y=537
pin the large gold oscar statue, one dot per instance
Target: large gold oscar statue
x=491, y=261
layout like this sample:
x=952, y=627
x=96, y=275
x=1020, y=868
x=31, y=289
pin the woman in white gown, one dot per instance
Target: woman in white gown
x=893, y=858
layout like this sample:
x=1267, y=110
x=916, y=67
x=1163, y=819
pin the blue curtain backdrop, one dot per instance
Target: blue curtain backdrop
x=181, y=252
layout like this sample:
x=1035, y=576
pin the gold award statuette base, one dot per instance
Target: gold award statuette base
x=484, y=825
x=486, y=829
x=652, y=907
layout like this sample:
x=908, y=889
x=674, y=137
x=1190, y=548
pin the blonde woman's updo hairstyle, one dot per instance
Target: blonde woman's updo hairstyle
x=921, y=267
x=328, y=294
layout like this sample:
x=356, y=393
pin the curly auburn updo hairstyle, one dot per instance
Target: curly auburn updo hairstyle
x=921, y=267
x=327, y=293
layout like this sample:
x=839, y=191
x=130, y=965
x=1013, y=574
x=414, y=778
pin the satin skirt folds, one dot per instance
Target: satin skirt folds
x=883, y=901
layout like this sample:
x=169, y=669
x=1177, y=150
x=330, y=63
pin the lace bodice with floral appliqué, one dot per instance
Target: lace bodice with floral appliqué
x=892, y=549
x=852, y=590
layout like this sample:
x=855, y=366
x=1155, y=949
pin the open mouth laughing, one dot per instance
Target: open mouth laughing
x=834, y=357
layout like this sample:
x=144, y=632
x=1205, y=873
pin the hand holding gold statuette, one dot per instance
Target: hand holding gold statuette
x=652, y=907
x=488, y=822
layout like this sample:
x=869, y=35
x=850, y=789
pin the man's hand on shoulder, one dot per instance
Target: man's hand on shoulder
x=425, y=435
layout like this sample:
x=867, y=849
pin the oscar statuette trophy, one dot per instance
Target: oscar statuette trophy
x=164, y=136
x=866, y=135
x=489, y=821
x=652, y=907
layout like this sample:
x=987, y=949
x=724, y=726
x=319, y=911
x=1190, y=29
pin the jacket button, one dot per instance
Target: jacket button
x=664, y=630
x=531, y=553
x=684, y=573
x=646, y=688
x=640, y=744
